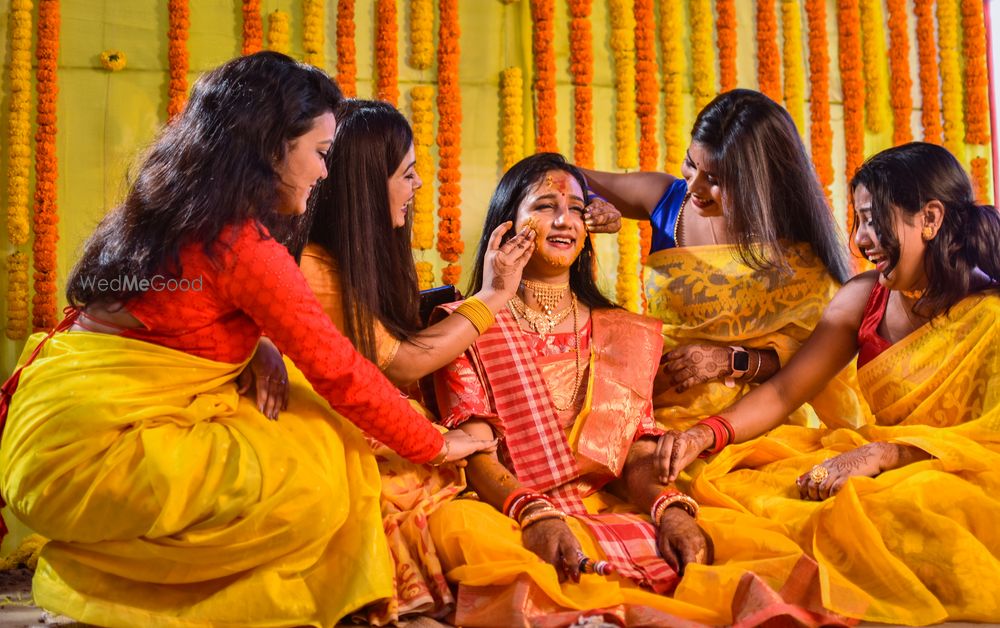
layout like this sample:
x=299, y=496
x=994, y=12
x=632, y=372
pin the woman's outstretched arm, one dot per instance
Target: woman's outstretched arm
x=832, y=345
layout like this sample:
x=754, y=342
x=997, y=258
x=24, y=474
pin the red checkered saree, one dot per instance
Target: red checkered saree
x=504, y=381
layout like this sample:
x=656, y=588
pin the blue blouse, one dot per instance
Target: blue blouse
x=664, y=216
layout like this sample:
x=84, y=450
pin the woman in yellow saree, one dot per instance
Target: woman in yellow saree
x=900, y=515
x=744, y=257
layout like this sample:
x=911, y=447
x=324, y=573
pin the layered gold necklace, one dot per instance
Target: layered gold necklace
x=543, y=324
x=546, y=295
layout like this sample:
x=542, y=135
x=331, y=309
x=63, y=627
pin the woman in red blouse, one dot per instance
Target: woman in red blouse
x=169, y=500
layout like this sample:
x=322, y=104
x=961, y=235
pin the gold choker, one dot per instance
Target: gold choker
x=547, y=295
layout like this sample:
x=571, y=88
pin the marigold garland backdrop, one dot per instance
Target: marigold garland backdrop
x=105, y=119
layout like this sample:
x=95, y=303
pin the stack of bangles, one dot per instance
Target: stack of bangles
x=723, y=432
x=527, y=506
x=670, y=497
x=477, y=313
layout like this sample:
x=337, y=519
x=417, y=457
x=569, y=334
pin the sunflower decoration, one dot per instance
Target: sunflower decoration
x=114, y=60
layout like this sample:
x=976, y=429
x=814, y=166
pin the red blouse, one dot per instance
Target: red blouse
x=870, y=342
x=254, y=287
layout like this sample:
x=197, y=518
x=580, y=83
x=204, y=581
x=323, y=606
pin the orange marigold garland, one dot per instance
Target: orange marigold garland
x=981, y=180
x=820, y=129
x=177, y=36
x=449, y=141
x=422, y=98
x=702, y=60
x=313, y=39
x=647, y=90
x=899, y=71
x=930, y=115
x=647, y=99
x=853, y=85
x=726, y=25
x=674, y=59
x=581, y=66
x=347, y=67
x=873, y=56
x=951, y=76
x=768, y=57
x=792, y=62
x=511, y=116
x=387, y=52
x=278, y=32
x=18, y=167
x=977, y=106
x=46, y=167
x=543, y=34
x=253, y=27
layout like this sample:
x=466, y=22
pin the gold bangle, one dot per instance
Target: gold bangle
x=443, y=455
x=477, y=313
x=684, y=501
x=542, y=515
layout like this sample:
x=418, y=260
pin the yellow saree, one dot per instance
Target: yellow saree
x=706, y=294
x=175, y=503
x=915, y=545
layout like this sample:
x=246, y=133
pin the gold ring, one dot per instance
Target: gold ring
x=818, y=474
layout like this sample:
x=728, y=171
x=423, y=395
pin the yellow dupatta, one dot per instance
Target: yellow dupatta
x=705, y=294
x=172, y=501
x=918, y=544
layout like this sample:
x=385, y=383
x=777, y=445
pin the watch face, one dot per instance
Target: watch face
x=741, y=360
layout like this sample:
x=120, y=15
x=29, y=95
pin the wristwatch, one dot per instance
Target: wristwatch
x=739, y=364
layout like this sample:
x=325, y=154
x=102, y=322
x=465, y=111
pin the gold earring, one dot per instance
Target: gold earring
x=927, y=233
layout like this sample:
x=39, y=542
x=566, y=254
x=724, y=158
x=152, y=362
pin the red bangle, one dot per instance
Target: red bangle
x=723, y=432
x=514, y=497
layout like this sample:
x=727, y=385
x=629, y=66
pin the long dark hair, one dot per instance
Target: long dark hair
x=904, y=179
x=770, y=192
x=213, y=166
x=351, y=220
x=510, y=192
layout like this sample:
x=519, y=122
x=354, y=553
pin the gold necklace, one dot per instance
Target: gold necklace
x=541, y=322
x=679, y=227
x=547, y=295
x=576, y=349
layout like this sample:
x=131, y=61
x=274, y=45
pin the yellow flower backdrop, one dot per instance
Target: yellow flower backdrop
x=595, y=57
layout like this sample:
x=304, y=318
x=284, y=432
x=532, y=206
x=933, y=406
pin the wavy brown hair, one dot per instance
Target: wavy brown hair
x=771, y=195
x=213, y=166
x=902, y=180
